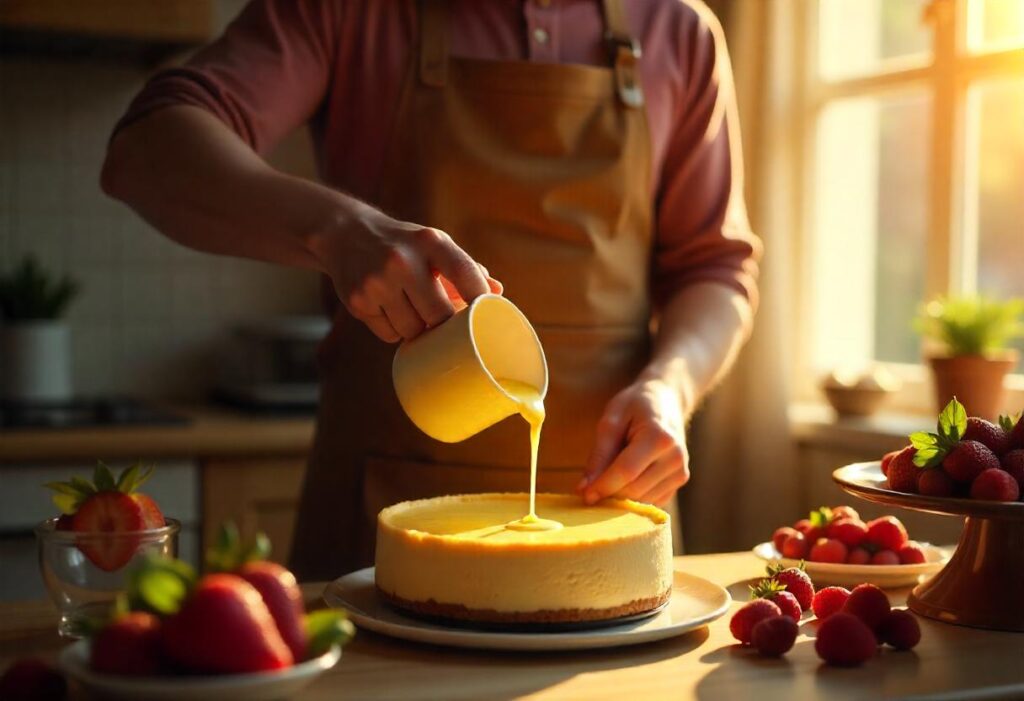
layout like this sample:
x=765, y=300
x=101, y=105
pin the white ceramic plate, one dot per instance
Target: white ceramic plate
x=885, y=576
x=695, y=602
x=261, y=686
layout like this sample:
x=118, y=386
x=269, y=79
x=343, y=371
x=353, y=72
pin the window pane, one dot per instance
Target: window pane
x=995, y=24
x=869, y=229
x=998, y=197
x=856, y=37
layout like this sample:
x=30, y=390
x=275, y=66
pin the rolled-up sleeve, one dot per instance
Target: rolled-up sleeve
x=702, y=232
x=267, y=74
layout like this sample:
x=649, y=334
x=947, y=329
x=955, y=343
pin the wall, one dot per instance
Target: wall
x=152, y=313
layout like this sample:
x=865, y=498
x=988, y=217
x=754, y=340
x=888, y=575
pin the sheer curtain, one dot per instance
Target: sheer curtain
x=744, y=469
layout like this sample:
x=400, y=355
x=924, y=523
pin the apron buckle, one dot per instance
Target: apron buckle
x=625, y=54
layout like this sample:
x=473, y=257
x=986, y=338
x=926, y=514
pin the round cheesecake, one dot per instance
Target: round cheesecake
x=456, y=557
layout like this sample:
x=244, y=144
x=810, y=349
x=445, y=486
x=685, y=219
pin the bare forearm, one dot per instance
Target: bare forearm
x=700, y=333
x=194, y=180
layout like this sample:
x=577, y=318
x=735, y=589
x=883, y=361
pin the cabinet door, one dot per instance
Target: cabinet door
x=257, y=494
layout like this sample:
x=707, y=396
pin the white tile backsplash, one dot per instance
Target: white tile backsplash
x=152, y=314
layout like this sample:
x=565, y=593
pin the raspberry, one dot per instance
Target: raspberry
x=988, y=434
x=1013, y=463
x=885, y=557
x=796, y=582
x=845, y=641
x=868, y=603
x=887, y=532
x=780, y=535
x=858, y=556
x=899, y=629
x=968, y=460
x=828, y=550
x=850, y=531
x=934, y=482
x=903, y=472
x=828, y=601
x=774, y=636
x=995, y=485
x=912, y=554
x=795, y=546
x=743, y=621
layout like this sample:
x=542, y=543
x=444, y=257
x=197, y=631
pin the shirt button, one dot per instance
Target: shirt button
x=540, y=35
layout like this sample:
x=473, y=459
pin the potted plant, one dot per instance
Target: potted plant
x=35, y=360
x=967, y=349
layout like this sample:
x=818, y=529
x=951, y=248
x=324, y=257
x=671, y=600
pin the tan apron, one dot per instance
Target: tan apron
x=540, y=172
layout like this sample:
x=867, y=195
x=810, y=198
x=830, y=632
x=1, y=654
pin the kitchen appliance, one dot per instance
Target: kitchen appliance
x=271, y=365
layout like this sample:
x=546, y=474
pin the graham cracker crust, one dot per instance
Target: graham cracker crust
x=434, y=609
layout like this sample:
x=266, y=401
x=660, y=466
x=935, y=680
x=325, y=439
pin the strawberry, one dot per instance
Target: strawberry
x=30, y=679
x=851, y=532
x=828, y=550
x=828, y=601
x=911, y=554
x=839, y=512
x=934, y=482
x=903, y=473
x=743, y=621
x=900, y=630
x=1014, y=429
x=224, y=627
x=858, y=556
x=868, y=603
x=780, y=535
x=887, y=460
x=282, y=596
x=995, y=485
x=809, y=530
x=886, y=532
x=774, y=636
x=796, y=582
x=885, y=557
x=968, y=460
x=845, y=641
x=795, y=546
x=988, y=434
x=1013, y=463
x=107, y=506
x=130, y=645
x=776, y=593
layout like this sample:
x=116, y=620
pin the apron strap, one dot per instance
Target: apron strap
x=625, y=54
x=624, y=50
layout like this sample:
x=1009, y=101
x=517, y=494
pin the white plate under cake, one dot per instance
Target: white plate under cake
x=456, y=557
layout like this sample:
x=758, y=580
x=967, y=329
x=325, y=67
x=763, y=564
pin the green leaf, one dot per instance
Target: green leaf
x=821, y=517
x=953, y=420
x=922, y=440
x=103, y=478
x=159, y=584
x=62, y=488
x=126, y=481
x=225, y=553
x=259, y=550
x=326, y=629
x=929, y=457
x=84, y=486
x=67, y=504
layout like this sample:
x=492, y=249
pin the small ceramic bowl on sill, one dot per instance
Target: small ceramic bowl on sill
x=858, y=394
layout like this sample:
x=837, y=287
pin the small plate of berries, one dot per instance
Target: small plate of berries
x=837, y=547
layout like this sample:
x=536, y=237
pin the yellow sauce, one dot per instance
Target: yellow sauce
x=531, y=408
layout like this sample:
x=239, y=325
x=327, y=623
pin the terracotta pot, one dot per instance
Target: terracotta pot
x=975, y=380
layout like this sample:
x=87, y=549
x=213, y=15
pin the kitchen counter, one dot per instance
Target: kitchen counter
x=950, y=662
x=210, y=432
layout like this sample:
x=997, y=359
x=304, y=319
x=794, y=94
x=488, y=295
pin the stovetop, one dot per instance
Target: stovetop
x=87, y=412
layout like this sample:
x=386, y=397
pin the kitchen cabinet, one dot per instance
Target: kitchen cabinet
x=257, y=494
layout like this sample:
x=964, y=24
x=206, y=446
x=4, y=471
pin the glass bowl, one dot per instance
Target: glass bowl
x=84, y=572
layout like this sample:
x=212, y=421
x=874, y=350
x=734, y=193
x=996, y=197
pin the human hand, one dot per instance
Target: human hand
x=640, y=451
x=400, y=278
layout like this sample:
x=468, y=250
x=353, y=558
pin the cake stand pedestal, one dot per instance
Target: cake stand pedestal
x=982, y=585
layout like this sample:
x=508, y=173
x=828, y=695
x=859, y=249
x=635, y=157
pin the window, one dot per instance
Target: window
x=914, y=171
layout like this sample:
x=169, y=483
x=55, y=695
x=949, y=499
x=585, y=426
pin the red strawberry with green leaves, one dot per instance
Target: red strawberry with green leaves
x=988, y=434
x=107, y=506
x=1014, y=427
x=962, y=459
x=776, y=593
x=796, y=582
x=277, y=586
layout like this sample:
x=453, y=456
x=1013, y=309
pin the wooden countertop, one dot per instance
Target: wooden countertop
x=950, y=662
x=210, y=432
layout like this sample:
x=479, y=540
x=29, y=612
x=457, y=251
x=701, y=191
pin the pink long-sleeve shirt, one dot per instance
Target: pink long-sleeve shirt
x=339, y=65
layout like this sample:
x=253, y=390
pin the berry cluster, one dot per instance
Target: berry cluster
x=966, y=457
x=852, y=623
x=838, y=535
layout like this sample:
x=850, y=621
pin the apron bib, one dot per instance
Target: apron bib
x=540, y=172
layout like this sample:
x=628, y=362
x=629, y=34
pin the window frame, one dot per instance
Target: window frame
x=947, y=75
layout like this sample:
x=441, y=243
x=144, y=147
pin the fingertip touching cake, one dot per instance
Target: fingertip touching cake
x=466, y=557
